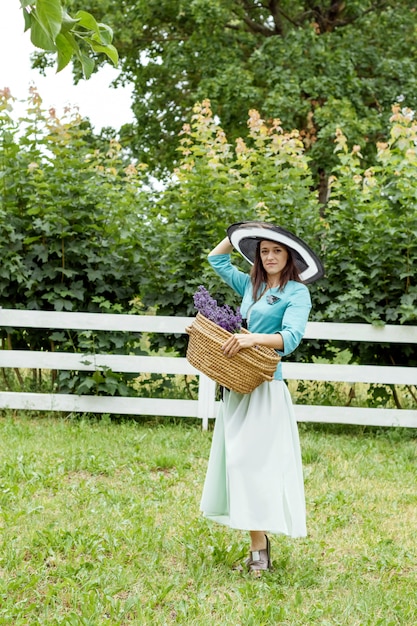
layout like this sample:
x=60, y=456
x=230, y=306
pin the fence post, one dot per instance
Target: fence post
x=206, y=399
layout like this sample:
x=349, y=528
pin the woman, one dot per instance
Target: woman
x=254, y=478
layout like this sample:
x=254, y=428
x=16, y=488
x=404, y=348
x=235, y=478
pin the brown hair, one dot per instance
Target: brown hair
x=259, y=275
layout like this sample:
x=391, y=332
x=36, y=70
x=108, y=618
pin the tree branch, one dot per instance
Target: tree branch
x=255, y=27
x=274, y=9
x=329, y=19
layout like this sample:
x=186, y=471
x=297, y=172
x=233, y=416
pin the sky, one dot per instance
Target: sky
x=95, y=98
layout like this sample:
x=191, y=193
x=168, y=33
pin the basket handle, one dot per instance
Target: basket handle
x=266, y=377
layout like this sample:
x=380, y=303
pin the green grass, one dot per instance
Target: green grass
x=100, y=524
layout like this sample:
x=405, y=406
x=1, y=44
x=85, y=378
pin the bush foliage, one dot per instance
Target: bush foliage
x=81, y=230
x=71, y=210
x=365, y=233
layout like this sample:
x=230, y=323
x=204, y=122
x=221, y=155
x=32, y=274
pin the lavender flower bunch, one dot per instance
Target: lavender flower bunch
x=223, y=316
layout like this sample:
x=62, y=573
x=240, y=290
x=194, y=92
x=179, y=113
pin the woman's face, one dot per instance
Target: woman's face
x=274, y=258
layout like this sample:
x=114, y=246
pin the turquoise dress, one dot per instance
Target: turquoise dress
x=254, y=478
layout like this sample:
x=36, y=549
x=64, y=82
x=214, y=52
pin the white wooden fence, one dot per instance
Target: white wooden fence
x=206, y=406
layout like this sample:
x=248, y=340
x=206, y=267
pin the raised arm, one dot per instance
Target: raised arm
x=224, y=247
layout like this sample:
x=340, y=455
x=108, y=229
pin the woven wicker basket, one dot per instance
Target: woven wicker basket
x=243, y=372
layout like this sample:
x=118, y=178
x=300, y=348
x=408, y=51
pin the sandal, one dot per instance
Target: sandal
x=260, y=560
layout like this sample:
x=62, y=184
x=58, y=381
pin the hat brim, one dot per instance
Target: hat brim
x=245, y=236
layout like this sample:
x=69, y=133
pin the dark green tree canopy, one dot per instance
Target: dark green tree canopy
x=315, y=65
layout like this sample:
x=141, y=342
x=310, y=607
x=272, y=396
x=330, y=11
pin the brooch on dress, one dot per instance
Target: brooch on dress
x=272, y=299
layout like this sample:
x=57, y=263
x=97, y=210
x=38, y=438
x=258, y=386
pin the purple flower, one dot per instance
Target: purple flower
x=223, y=316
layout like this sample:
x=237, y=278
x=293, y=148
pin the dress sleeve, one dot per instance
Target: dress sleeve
x=236, y=279
x=295, y=319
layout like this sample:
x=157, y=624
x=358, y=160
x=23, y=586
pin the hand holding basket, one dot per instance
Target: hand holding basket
x=243, y=372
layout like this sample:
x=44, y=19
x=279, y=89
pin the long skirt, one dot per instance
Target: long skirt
x=254, y=478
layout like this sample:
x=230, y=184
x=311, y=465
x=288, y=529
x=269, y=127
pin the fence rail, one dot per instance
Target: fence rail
x=205, y=406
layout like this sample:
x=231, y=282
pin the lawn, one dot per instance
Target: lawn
x=100, y=524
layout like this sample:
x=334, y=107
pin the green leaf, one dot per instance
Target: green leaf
x=98, y=377
x=65, y=49
x=90, y=382
x=87, y=65
x=106, y=33
x=27, y=19
x=73, y=42
x=68, y=22
x=87, y=21
x=108, y=50
x=28, y=240
x=38, y=36
x=50, y=16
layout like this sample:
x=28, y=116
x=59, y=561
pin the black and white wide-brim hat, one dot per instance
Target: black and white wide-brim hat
x=245, y=236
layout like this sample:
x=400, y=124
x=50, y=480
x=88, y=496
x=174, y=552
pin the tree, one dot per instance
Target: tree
x=54, y=30
x=316, y=65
